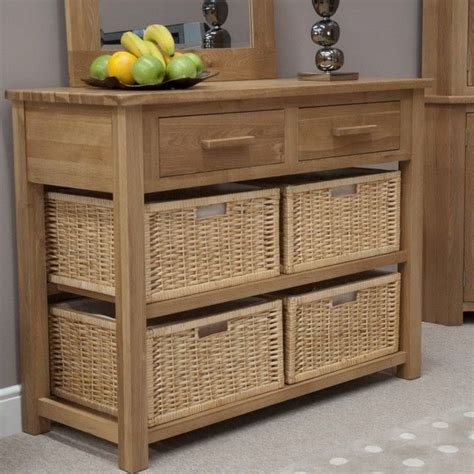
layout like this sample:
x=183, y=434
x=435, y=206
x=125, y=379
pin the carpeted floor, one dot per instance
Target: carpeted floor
x=373, y=425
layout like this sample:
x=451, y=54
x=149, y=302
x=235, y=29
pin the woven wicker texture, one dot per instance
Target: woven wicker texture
x=332, y=222
x=192, y=245
x=83, y=359
x=323, y=336
x=80, y=242
x=198, y=374
x=191, y=367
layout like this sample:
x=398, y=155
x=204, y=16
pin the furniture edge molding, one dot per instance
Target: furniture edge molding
x=10, y=411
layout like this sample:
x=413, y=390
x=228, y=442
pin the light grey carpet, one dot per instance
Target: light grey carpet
x=321, y=433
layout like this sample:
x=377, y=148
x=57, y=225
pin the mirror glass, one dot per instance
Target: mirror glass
x=226, y=23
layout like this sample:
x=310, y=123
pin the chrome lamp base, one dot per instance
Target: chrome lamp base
x=328, y=77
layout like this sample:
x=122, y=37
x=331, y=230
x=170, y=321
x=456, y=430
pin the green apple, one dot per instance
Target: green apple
x=99, y=67
x=181, y=68
x=197, y=60
x=148, y=70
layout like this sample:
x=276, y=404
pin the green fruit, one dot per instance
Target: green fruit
x=99, y=67
x=197, y=60
x=148, y=70
x=181, y=68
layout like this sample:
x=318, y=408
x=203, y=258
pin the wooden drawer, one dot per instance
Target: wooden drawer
x=326, y=132
x=202, y=143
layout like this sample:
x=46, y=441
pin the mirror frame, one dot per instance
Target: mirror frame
x=233, y=64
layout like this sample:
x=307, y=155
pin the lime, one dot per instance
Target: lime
x=181, y=68
x=99, y=67
x=197, y=60
x=148, y=70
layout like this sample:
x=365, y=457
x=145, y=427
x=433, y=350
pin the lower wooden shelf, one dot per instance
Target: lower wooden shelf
x=80, y=418
x=468, y=307
x=281, y=282
x=106, y=427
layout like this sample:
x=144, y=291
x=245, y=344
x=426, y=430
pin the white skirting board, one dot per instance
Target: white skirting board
x=10, y=411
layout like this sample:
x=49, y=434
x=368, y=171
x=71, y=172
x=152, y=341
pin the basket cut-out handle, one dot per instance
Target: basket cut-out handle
x=353, y=131
x=346, y=190
x=211, y=329
x=220, y=143
x=346, y=298
x=214, y=210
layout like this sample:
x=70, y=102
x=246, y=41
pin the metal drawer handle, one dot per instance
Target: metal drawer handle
x=346, y=298
x=351, y=131
x=212, y=329
x=220, y=143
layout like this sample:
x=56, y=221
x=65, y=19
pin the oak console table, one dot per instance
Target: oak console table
x=119, y=142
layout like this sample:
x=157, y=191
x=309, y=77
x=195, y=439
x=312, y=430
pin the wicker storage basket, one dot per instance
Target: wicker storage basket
x=338, y=216
x=208, y=239
x=334, y=327
x=228, y=354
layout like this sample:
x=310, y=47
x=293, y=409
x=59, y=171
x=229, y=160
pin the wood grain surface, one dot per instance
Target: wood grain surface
x=212, y=92
x=183, y=150
x=469, y=215
x=342, y=130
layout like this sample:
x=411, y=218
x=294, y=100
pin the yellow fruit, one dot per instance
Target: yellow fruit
x=155, y=52
x=132, y=43
x=120, y=66
x=160, y=35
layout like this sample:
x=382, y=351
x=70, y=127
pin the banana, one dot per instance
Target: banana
x=160, y=35
x=134, y=44
x=155, y=51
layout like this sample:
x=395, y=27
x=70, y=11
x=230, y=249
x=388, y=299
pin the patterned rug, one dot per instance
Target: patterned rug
x=443, y=445
x=361, y=427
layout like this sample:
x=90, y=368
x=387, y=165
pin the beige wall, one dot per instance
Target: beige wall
x=32, y=54
x=380, y=38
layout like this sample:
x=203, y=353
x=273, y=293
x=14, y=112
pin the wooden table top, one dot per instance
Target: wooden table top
x=212, y=92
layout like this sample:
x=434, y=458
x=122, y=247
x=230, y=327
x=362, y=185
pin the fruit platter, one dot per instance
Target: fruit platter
x=148, y=63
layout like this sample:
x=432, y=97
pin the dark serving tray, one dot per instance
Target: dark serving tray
x=114, y=83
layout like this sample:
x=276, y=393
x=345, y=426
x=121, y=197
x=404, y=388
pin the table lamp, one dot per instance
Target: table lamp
x=326, y=33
